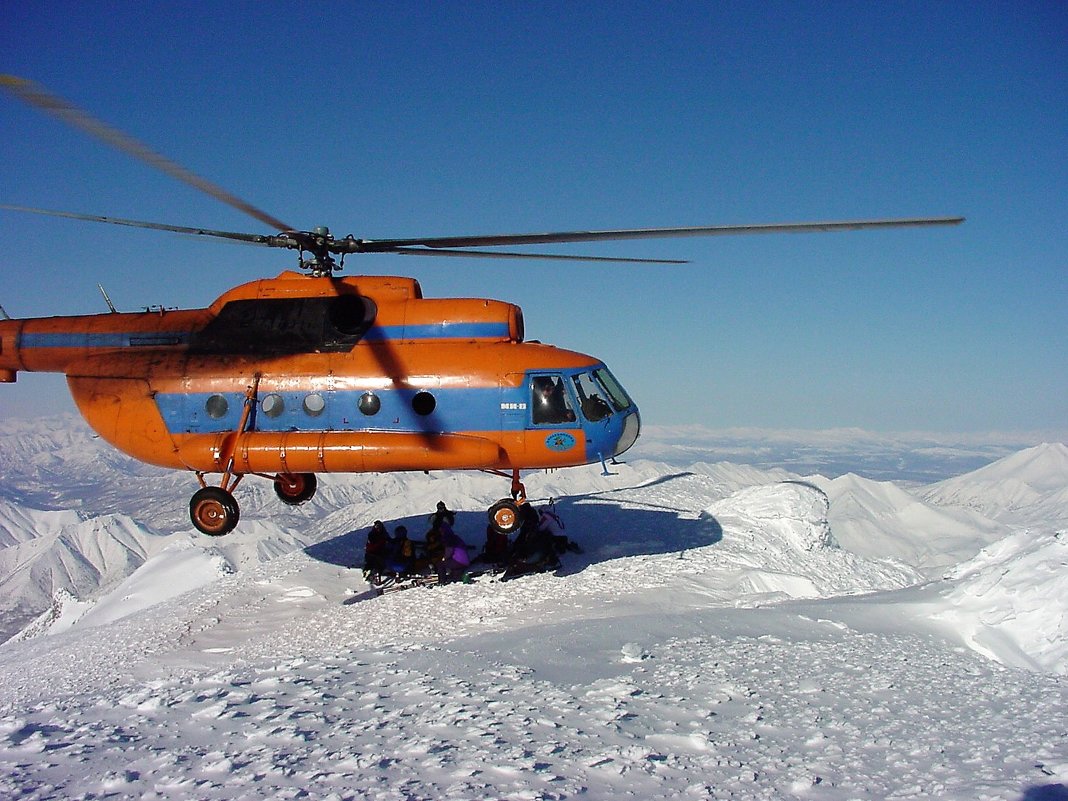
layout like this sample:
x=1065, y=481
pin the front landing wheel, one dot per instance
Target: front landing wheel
x=295, y=488
x=504, y=516
x=214, y=511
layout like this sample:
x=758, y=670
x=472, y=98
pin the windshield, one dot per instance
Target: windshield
x=616, y=393
x=591, y=396
x=553, y=397
x=599, y=394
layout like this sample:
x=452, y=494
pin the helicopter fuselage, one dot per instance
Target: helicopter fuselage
x=298, y=375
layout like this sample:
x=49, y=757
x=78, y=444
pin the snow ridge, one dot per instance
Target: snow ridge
x=1008, y=601
x=45, y=553
x=880, y=519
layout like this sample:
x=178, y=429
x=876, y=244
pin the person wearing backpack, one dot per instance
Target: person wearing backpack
x=376, y=551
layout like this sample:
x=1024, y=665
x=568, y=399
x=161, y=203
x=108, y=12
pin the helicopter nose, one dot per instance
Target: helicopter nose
x=632, y=425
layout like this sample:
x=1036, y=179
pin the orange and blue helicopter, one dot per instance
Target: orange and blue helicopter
x=309, y=373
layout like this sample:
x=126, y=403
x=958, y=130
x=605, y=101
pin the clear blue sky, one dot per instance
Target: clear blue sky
x=389, y=120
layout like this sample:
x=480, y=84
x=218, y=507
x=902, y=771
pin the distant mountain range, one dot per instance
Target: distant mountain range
x=917, y=457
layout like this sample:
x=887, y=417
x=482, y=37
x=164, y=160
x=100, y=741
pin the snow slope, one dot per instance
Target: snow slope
x=44, y=553
x=719, y=638
x=880, y=518
x=643, y=676
x=1026, y=488
x=1009, y=601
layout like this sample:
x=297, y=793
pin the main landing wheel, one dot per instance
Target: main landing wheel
x=295, y=488
x=504, y=516
x=214, y=511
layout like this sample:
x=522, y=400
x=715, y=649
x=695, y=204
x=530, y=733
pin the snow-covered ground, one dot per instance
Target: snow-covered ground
x=729, y=632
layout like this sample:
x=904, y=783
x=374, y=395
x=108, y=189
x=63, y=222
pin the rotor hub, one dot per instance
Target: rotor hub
x=319, y=243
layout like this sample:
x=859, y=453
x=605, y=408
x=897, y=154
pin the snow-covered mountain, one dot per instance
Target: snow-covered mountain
x=880, y=519
x=728, y=631
x=45, y=553
x=1026, y=488
x=127, y=511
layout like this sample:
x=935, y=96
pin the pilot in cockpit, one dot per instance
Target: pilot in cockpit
x=549, y=401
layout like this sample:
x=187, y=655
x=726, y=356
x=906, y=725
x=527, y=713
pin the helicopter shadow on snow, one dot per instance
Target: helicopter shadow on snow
x=603, y=526
x=607, y=525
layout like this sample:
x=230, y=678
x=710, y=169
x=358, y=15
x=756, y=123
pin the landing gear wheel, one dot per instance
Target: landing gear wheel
x=214, y=511
x=295, y=488
x=504, y=516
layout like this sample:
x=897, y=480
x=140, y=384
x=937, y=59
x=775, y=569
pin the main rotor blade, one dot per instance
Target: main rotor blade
x=375, y=245
x=487, y=254
x=255, y=239
x=294, y=239
x=36, y=95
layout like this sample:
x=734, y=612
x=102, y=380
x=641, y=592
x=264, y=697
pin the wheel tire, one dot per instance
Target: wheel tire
x=214, y=511
x=504, y=516
x=295, y=488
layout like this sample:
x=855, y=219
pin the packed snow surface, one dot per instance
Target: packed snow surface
x=728, y=632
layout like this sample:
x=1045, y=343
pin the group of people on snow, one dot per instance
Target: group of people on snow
x=537, y=546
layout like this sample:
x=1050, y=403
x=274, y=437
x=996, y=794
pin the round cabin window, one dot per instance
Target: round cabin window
x=216, y=407
x=273, y=405
x=314, y=404
x=424, y=403
x=369, y=403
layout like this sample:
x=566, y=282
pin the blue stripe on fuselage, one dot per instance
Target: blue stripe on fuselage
x=443, y=330
x=125, y=339
x=128, y=339
x=471, y=409
x=467, y=409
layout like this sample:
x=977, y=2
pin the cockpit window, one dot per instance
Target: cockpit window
x=591, y=397
x=549, y=402
x=616, y=394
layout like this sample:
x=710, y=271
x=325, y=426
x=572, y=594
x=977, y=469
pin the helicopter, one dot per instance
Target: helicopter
x=309, y=372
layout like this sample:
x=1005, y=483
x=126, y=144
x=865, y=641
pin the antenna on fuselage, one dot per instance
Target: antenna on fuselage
x=3, y=314
x=107, y=300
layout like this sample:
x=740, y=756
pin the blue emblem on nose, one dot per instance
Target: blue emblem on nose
x=560, y=442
